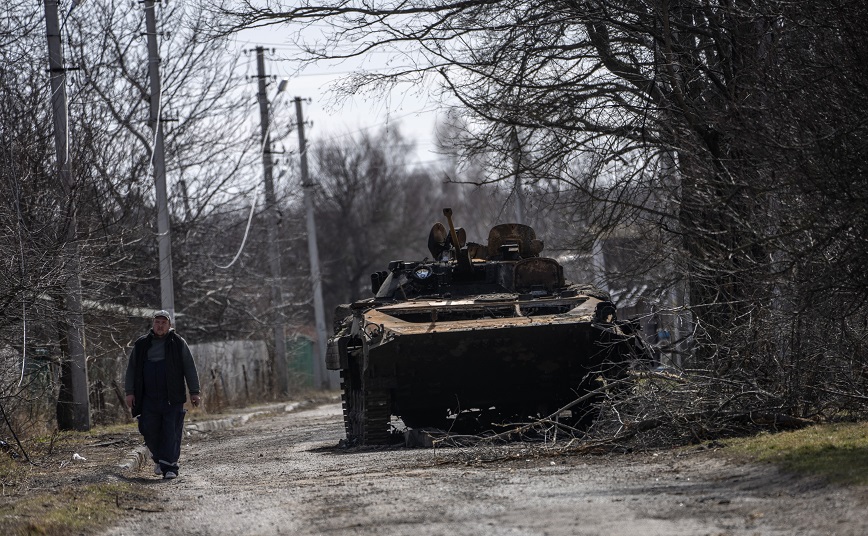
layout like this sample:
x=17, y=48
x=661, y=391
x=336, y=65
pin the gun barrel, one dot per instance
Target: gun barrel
x=448, y=213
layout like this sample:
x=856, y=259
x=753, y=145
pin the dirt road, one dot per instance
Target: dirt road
x=283, y=475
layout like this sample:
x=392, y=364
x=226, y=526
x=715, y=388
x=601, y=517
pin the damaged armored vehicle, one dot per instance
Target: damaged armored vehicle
x=475, y=336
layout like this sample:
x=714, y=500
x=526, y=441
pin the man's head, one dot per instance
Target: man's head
x=162, y=323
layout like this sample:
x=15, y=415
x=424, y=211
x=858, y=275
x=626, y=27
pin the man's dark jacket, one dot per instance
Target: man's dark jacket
x=175, y=369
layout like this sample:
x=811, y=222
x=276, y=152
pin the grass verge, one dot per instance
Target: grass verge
x=835, y=452
x=72, y=486
x=78, y=510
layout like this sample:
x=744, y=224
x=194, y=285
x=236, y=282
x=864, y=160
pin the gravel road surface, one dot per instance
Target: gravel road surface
x=283, y=474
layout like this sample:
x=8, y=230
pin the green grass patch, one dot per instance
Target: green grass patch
x=836, y=452
x=78, y=510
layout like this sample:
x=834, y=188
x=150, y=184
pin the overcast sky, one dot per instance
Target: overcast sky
x=326, y=115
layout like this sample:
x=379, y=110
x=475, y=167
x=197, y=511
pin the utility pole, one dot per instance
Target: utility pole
x=516, y=170
x=320, y=377
x=164, y=233
x=280, y=366
x=677, y=300
x=598, y=261
x=73, y=408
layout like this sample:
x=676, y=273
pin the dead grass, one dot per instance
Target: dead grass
x=72, y=485
x=78, y=510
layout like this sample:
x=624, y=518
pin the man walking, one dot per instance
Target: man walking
x=160, y=364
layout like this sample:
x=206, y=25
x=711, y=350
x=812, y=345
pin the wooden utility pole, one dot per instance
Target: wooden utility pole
x=281, y=371
x=164, y=235
x=320, y=376
x=516, y=169
x=73, y=407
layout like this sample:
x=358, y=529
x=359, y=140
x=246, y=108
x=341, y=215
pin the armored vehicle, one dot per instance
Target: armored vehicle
x=492, y=332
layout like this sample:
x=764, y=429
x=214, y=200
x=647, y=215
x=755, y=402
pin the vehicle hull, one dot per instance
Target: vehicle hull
x=494, y=370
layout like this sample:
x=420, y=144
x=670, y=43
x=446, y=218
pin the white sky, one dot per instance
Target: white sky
x=326, y=116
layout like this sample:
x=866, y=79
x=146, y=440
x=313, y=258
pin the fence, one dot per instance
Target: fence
x=233, y=372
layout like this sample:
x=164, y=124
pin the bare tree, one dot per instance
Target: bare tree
x=728, y=133
x=211, y=157
x=368, y=201
x=210, y=147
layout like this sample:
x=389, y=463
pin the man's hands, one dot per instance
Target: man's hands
x=131, y=400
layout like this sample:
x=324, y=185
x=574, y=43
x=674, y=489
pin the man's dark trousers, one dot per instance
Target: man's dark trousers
x=161, y=423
